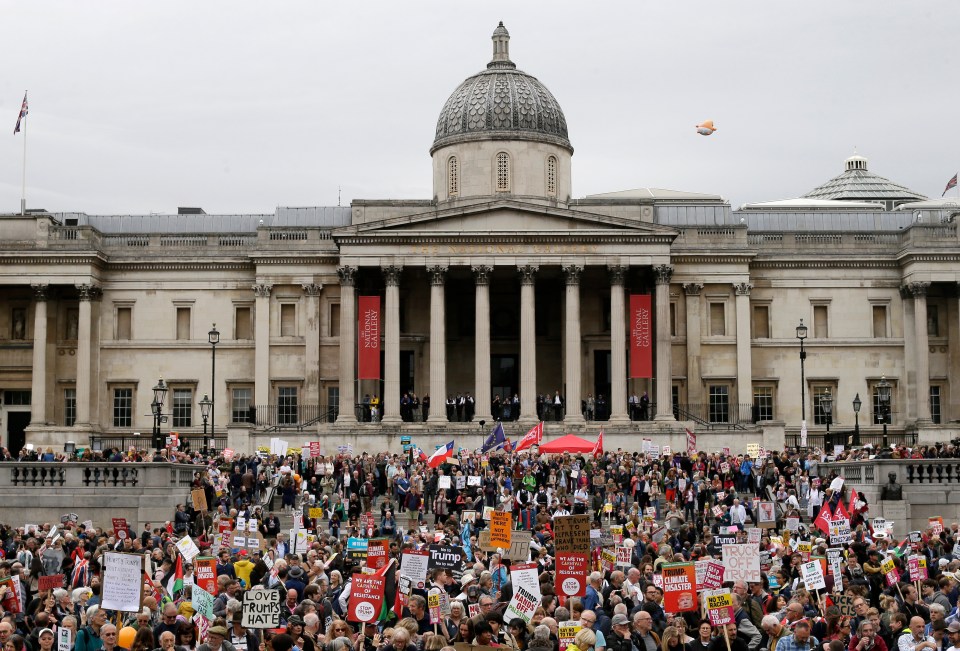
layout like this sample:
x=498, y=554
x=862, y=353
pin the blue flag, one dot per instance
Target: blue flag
x=496, y=439
x=465, y=540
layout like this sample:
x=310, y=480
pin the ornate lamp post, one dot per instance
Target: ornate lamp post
x=214, y=338
x=159, y=393
x=801, y=335
x=826, y=407
x=205, y=405
x=883, y=397
x=857, y=403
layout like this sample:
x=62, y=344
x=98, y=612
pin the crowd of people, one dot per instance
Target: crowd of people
x=670, y=508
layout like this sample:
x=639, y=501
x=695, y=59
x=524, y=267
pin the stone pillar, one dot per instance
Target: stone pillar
x=744, y=357
x=571, y=354
x=438, y=346
x=528, y=344
x=88, y=293
x=481, y=277
x=694, y=383
x=38, y=403
x=261, y=360
x=348, y=345
x=390, y=400
x=618, y=346
x=664, y=368
x=311, y=388
x=919, y=292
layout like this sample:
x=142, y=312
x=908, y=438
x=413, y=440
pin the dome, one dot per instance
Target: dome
x=501, y=103
x=858, y=183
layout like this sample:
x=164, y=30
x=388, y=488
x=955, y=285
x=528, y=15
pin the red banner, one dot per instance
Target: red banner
x=368, y=338
x=205, y=573
x=571, y=574
x=641, y=337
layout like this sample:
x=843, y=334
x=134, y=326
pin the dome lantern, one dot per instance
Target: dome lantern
x=501, y=49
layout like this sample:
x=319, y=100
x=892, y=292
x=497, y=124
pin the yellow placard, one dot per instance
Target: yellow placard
x=316, y=513
x=719, y=601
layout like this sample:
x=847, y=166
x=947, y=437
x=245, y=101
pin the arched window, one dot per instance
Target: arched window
x=453, y=177
x=552, y=176
x=503, y=172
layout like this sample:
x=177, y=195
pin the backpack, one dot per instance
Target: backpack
x=335, y=600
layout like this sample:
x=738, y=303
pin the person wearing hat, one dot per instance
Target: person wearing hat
x=295, y=626
x=466, y=581
x=953, y=634
x=216, y=640
x=295, y=580
x=619, y=638
x=242, y=639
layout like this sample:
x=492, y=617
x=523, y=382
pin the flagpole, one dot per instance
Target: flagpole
x=23, y=187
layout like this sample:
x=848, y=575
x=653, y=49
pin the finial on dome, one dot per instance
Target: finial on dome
x=501, y=48
x=855, y=162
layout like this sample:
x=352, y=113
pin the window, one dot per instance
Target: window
x=288, y=323
x=453, y=177
x=241, y=322
x=761, y=322
x=17, y=398
x=673, y=319
x=551, y=176
x=719, y=403
x=334, y=319
x=879, y=321
x=718, y=326
x=69, y=407
x=124, y=318
x=503, y=172
x=241, y=398
x=287, y=406
x=933, y=320
x=333, y=400
x=182, y=408
x=820, y=415
x=820, y=329
x=123, y=407
x=183, y=323
x=878, y=414
x=936, y=406
x=762, y=403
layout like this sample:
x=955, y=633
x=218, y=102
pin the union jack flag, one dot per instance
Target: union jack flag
x=952, y=183
x=23, y=114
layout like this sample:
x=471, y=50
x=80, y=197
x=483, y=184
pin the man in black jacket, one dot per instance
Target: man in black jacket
x=619, y=638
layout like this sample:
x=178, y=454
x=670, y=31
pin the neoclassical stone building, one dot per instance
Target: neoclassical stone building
x=502, y=284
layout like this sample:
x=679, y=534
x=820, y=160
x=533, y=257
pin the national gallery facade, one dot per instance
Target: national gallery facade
x=642, y=311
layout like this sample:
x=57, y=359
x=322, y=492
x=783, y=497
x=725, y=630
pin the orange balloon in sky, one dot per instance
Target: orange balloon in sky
x=706, y=127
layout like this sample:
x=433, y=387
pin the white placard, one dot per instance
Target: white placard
x=812, y=575
x=64, y=639
x=122, y=583
x=188, y=549
x=261, y=609
x=742, y=563
x=443, y=482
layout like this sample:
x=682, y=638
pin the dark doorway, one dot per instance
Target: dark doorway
x=17, y=422
x=601, y=383
x=504, y=375
x=407, y=379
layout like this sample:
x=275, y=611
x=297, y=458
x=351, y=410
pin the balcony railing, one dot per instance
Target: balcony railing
x=289, y=417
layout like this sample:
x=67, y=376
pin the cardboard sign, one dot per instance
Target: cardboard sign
x=377, y=554
x=917, y=565
x=51, y=582
x=812, y=575
x=122, y=584
x=261, y=608
x=845, y=603
x=501, y=523
x=483, y=541
x=679, y=587
x=719, y=607
x=519, y=546
x=571, y=573
x=889, y=569
x=366, y=597
x=572, y=533
x=742, y=563
x=205, y=574
x=199, y=498
x=709, y=575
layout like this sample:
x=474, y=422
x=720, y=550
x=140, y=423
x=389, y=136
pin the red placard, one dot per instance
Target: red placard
x=314, y=449
x=51, y=582
x=368, y=338
x=11, y=602
x=366, y=597
x=570, y=577
x=641, y=337
x=679, y=587
x=120, y=528
x=205, y=573
x=377, y=553
x=226, y=525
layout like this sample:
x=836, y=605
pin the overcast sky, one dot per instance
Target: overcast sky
x=239, y=107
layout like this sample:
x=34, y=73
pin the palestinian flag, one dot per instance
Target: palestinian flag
x=902, y=550
x=175, y=582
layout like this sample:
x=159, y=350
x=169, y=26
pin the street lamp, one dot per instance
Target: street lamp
x=883, y=397
x=826, y=408
x=857, y=403
x=214, y=338
x=205, y=405
x=801, y=335
x=159, y=393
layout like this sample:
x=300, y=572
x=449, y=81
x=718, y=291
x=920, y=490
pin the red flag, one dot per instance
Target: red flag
x=823, y=519
x=598, y=448
x=531, y=438
x=841, y=512
x=442, y=454
x=691, y=444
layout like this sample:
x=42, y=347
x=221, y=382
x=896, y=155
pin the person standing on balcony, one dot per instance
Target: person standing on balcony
x=644, y=406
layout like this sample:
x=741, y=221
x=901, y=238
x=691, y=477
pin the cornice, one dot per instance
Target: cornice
x=738, y=258
x=58, y=257
x=160, y=265
x=910, y=257
x=327, y=259
x=824, y=264
x=394, y=237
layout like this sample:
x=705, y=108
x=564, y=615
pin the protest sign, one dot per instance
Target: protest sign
x=120, y=528
x=918, y=568
x=623, y=556
x=608, y=560
x=121, y=587
x=199, y=499
x=845, y=603
x=315, y=513
x=566, y=632
x=889, y=569
x=483, y=541
x=812, y=574
x=357, y=549
x=314, y=449
x=709, y=575
x=377, y=553
x=719, y=607
x=500, y=525
x=261, y=608
x=202, y=601
x=717, y=511
x=526, y=575
x=188, y=548
x=835, y=563
x=474, y=480
x=205, y=573
x=936, y=525
x=766, y=515
x=51, y=582
x=366, y=597
x=793, y=524
x=468, y=516
x=414, y=565
x=572, y=533
x=519, y=546
x=616, y=531
x=64, y=639
x=724, y=467
x=446, y=557
x=433, y=605
x=571, y=573
x=879, y=524
x=840, y=532
x=679, y=587
x=805, y=548
x=753, y=535
x=443, y=481
x=522, y=605
x=742, y=563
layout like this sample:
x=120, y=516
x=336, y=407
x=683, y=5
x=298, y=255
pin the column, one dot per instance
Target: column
x=390, y=400
x=618, y=346
x=744, y=356
x=528, y=344
x=38, y=403
x=261, y=360
x=664, y=370
x=311, y=353
x=919, y=292
x=481, y=383
x=694, y=383
x=88, y=293
x=438, y=346
x=348, y=345
x=572, y=355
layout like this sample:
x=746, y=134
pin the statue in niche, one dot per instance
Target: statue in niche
x=19, y=324
x=892, y=490
x=73, y=324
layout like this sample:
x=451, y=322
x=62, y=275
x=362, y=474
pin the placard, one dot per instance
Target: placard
x=377, y=553
x=793, y=524
x=473, y=480
x=567, y=632
x=501, y=523
x=936, y=525
x=812, y=574
x=188, y=548
x=446, y=557
x=766, y=515
x=519, y=546
x=624, y=554
x=357, y=549
x=205, y=573
x=719, y=607
x=753, y=535
x=709, y=575
x=202, y=601
x=199, y=498
x=51, y=582
x=526, y=575
x=433, y=605
x=261, y=608
x=483, y=541
x=889, y=569
x=120, y=528
x=572, y=533
x=845, y=603
x=840, y=532
x=805, y=547
x=571, y=573
x=679, y=587
x=835, y=563
x=366, y=597
x=742, y=563
x=64, y=639
x=443, y=481
x=917, y=565
x=122, y=583
x=522, y=605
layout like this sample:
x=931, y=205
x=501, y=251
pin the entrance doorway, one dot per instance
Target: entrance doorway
x=601, y=383
x=504, y=382
x=17, y=422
